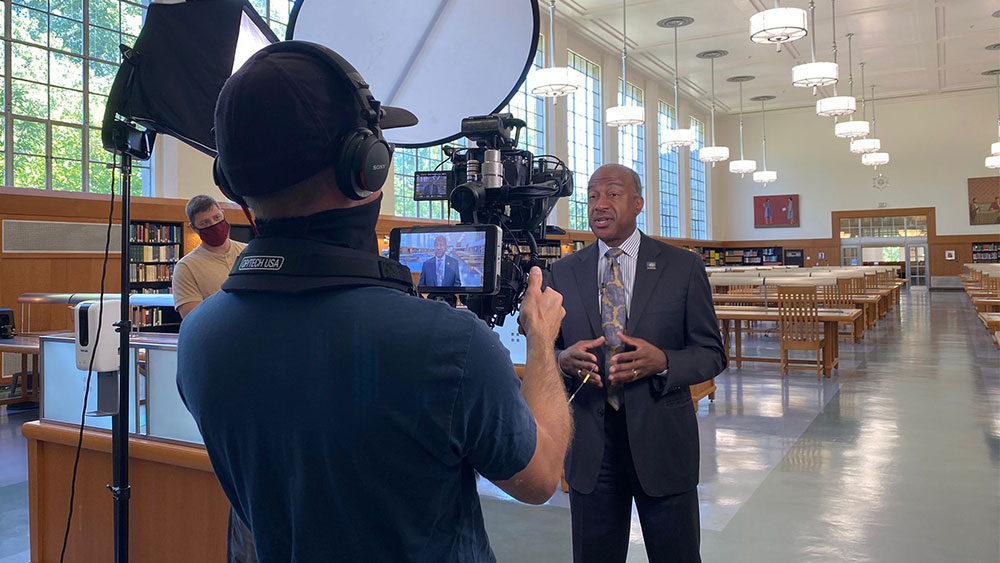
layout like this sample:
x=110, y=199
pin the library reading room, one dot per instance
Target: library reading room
x=531, y=281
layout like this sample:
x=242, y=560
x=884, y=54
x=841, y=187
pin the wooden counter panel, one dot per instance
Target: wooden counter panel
x=178, y=510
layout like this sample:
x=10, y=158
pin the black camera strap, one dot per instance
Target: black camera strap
x=294, y=265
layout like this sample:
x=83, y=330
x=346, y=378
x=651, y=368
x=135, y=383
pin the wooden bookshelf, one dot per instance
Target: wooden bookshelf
x=985, y=252
x=154, y=248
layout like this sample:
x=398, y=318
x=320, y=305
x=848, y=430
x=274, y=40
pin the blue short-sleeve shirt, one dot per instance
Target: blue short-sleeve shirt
x=349, y=425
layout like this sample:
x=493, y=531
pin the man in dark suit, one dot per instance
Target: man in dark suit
x=442, y=270
x=639, y=320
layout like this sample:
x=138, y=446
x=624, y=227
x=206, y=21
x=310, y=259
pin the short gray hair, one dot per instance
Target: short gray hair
x=199, y=203
x=637, y=180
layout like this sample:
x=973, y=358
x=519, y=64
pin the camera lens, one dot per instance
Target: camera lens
x=467, y=197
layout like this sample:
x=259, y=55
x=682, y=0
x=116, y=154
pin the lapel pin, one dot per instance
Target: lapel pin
x=650, y=265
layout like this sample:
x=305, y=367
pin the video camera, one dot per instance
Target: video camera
x=504, y=196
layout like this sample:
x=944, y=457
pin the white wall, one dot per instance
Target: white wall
x=935, y=143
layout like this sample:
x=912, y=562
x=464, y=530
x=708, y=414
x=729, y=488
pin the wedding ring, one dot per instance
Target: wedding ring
x=635, y=373
x=579, y=373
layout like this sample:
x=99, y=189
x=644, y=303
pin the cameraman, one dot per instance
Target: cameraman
x=389, y=405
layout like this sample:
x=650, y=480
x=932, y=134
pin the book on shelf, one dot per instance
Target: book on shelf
x=164, y=253
x=145, y=273
x=154, y=233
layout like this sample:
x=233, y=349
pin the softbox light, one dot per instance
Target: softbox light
x=170, y=80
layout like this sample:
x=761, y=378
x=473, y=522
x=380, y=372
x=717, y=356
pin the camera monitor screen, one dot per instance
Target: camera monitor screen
x=430, y=186
x=456, y=259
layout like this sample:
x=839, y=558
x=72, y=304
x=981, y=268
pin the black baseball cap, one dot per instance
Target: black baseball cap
x=281, y=118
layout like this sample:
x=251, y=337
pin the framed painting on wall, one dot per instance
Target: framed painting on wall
x=775, y=211
x=984, y=201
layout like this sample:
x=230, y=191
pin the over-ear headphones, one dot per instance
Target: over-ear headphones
x=362, y=156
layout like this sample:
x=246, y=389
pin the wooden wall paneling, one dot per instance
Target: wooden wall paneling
x=962, y=245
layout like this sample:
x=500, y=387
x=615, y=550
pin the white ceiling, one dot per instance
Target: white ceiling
x=911, y=47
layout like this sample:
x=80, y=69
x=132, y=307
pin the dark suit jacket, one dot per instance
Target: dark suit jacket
x=428, y=273
x=672, y=309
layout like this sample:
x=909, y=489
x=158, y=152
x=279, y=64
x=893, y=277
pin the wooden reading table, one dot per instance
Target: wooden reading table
x=831, y=319
x=27, y=348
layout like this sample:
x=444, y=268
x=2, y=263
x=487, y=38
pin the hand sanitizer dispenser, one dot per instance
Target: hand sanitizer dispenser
x=105, y=353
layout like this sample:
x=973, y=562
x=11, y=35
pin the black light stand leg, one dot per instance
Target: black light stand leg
x=120, y=489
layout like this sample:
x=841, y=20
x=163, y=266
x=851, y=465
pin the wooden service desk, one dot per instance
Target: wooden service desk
x=28, y=381
x=831, y=319
x=177, y=510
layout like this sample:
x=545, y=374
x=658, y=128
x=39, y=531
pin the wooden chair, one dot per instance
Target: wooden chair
x=992, y=285
x=799, y=326
x=831, y=297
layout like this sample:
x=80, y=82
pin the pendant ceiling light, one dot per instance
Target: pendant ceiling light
x=624, y=114
x=778, y=25
x=853, y=129
x=875, y=159
x=713, y=153
x=836, y=106
x=814, y=74
x=764, y=176
x=741, y=166
x=870, y=144
x=553, y=81
x=993, y=161
x=677, y=137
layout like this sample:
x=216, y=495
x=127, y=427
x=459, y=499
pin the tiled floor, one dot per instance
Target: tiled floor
x=895, y=458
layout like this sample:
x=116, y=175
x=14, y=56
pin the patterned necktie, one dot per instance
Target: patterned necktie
x=440, y=271
x=614, y=312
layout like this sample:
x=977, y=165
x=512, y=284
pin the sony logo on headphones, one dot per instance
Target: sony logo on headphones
x=379, y=166
x=271, y=263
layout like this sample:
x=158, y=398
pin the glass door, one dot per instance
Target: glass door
x=850, y=255
x=916, y=264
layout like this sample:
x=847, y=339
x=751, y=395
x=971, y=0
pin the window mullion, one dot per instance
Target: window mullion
x=86, y=96
x=8, y=131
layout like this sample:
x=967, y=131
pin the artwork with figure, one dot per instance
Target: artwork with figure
x=984, y=201
x=775, y=211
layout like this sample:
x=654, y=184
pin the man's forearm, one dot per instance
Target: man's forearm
x=545, y=394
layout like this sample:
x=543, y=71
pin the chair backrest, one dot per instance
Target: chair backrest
x=830, y=295
x=798, y=313
x=846, y=288
x=742, y=290
x=993, y=285
x=871, y=281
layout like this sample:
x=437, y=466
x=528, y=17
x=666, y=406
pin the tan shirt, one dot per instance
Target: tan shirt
x=201, y=272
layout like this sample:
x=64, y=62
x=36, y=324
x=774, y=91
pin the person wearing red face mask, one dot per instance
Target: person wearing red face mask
x=201, y=272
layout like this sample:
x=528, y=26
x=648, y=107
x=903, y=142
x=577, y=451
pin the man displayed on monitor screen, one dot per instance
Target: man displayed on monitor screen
x=441, y=270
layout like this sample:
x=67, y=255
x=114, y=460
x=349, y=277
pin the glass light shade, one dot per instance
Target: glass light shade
x=836, y=106
x=852, y=129
x=670, y=138
x=814, y=74
x=778, y=25
x=993, y=162
x=713, y=154
x=742, y=166
x=875, y=158
x=553, y=82
x=624, y=116
x=995, y=149
x=765, y=176
x=862, y=146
